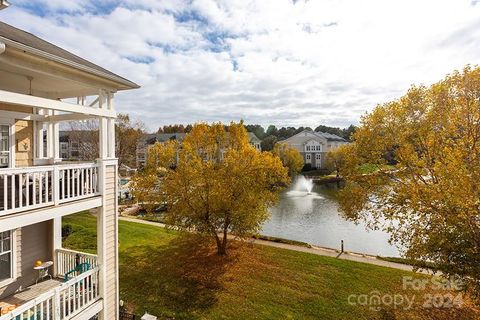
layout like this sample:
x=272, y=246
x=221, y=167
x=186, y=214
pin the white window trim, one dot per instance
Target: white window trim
x=13, y=265
x=11, y=133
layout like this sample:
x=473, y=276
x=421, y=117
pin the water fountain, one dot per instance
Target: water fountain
x=302, y=187
x=304, y=184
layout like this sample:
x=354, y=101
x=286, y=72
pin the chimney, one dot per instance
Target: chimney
x=4, y=4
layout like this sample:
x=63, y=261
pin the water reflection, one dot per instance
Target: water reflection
x=314, y=218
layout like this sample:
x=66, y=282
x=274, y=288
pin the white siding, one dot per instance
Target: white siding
x=32, y=244
x=111, y=285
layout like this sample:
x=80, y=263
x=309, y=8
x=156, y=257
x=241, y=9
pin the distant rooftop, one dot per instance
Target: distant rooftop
x=151, y=138
x=330, y=136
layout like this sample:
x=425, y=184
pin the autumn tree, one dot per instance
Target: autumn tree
x=430, y=201
x=336, y=159
x=220, y=184
x=85, y=135
x=128, y=133
x=291, y=158
x=145, y=184
x=268, y=143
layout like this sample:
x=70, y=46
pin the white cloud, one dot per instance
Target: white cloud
x=266, y=61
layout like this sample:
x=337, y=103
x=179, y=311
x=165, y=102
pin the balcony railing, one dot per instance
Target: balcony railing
x=29, y=188
x=66, y=260
x=69, y=298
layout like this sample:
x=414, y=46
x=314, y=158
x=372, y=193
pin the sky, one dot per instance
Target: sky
x=281, y=62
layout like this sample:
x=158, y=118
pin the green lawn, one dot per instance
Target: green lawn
x=176, y=275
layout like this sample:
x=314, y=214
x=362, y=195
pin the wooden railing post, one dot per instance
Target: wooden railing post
x=56, y=185
x=56, y=304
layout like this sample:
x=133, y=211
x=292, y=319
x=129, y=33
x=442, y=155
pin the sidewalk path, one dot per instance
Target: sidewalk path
x=313, y=250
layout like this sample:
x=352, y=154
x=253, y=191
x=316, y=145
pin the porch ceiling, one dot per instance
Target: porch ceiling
x=17, y=79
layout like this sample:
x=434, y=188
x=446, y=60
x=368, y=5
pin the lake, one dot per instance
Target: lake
x=316, y=219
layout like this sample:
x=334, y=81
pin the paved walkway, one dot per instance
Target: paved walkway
x=313, y=250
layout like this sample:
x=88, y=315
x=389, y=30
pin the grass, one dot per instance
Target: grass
x=372, y=168
x=178, y=276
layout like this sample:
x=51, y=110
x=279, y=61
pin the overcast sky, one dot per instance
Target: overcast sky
x=279, y=62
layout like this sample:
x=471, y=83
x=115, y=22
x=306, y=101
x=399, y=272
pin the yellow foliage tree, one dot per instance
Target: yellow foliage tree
x=291, y=158
x=336, y=159
x=145, y=184
x=220, y=184
x=430, y=201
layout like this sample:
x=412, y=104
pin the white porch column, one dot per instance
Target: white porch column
x=50, y=147
x=53, y=140
x=111, y=127
x=56, y=242
x=39, y=140
x=107, y=238
x=56, y=142
x=107, y=219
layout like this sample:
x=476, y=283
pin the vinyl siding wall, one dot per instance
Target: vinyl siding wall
x=23, y=135
x=110, y=212
x=33, y=243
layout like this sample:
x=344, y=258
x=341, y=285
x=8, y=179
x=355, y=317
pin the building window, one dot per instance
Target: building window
x=309, y=156
x=318, y=160
x=318, y=148
x=308, y=148
x=4, y=146
x=6, y=256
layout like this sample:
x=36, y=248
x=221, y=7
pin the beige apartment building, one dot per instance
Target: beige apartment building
x=314, y=146
x=41, y=87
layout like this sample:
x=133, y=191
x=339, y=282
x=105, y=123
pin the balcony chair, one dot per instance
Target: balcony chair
x=79, y=269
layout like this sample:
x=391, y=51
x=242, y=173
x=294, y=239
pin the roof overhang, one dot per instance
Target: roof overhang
x=4, y=4
x=121, y=83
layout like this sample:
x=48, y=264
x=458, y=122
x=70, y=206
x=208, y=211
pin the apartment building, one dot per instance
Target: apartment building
x=148, y=140
x=314, y=146
x=43, y=86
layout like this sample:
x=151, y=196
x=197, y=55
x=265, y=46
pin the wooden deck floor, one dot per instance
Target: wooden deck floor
x=29, y=293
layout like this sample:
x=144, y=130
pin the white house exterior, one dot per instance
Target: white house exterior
x=314, y=146
x=41, y=86
x=255, y=141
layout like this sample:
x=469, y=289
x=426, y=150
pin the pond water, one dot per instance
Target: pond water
x=315, y=218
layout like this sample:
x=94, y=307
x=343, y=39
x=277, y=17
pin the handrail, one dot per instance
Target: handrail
x=79, y=252
x=30, y=188
x=65, y=260
x=49, y=167
x=49, y=305
x=29, y=305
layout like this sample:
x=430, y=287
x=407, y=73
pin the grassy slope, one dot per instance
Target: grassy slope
x=171, y=274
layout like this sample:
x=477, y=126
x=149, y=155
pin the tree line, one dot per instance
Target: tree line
x=273, y=134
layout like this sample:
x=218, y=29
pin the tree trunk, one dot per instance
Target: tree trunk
x=221, y=249
x=221, y=244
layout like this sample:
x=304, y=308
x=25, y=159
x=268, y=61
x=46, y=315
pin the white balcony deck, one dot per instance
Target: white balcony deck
x=29, y=188
x=56, y=299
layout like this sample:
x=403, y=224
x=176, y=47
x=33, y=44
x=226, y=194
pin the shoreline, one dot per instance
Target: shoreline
x=308, y=248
